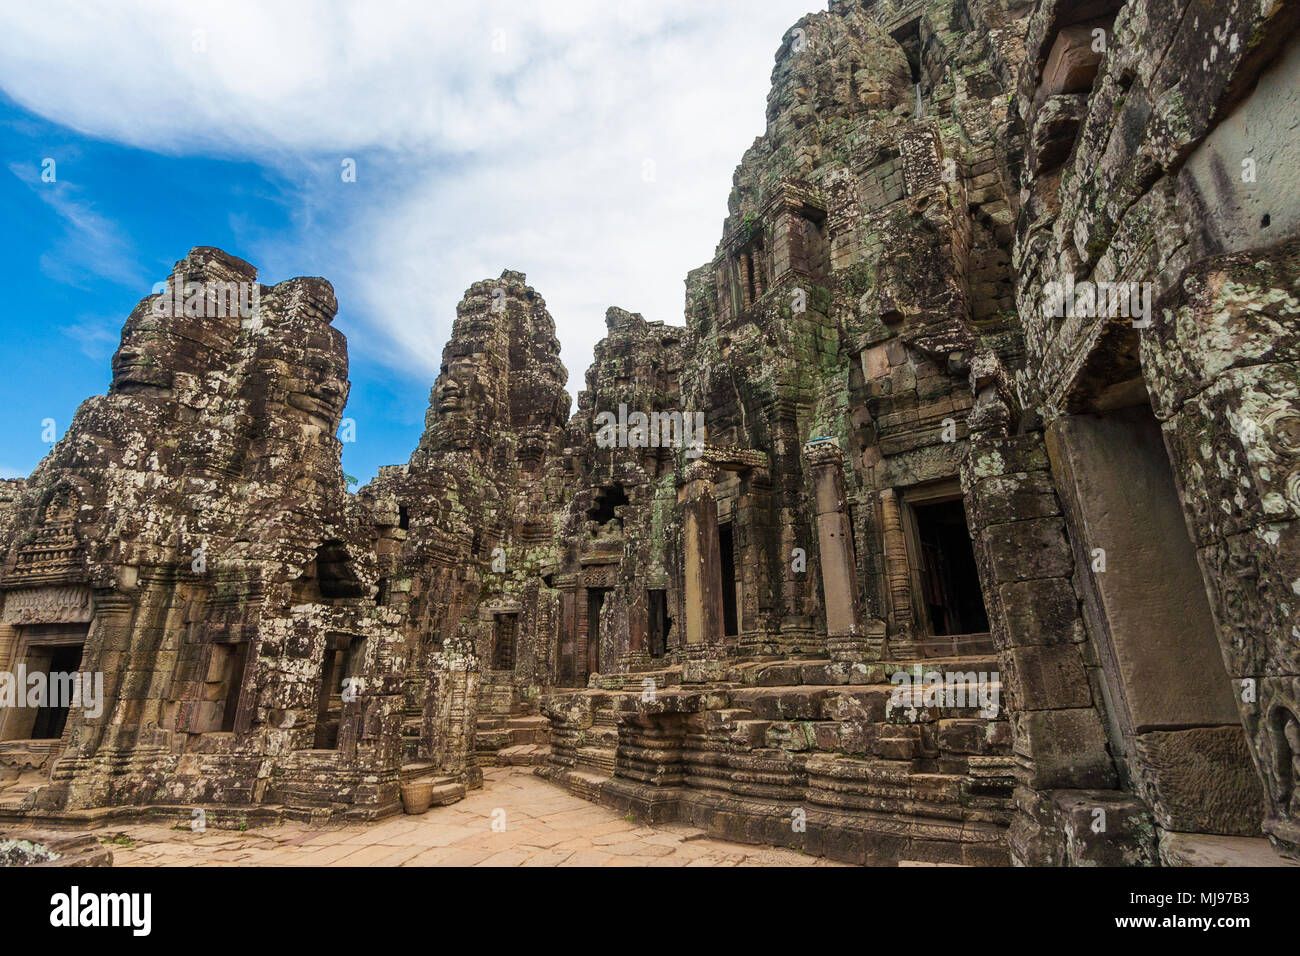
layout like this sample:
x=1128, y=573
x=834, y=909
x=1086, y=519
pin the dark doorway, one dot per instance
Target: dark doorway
x=595, y=601
x=658, y=624
x=334, y=569
x=1148, y=614
x=503, y=642
x=343, y=659
x=237, y=658
x=51, y=719
x=727, y=552
x=950, y=581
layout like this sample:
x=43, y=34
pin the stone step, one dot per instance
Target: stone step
x=424, y=770
x=528, y=723
x=984, y=662
x=489, y=740
x=635, y=680
x=880, y=703
x=601, y=759
x=830, y=673
x=598, y=734
x=525, y=755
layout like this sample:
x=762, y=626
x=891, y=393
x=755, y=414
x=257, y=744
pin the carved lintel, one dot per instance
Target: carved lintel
x=67, y=604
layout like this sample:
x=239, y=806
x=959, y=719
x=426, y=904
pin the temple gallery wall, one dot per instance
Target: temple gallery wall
x=959, y=522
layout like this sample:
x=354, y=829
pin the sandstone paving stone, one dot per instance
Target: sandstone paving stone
x=586, y=835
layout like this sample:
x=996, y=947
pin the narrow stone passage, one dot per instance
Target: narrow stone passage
x=543, y=826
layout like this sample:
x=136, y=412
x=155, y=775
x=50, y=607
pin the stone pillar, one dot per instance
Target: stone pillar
x=1027, y=572
x=451, y=710
x=839, y=568
x=703, y=653
x=703, y=558
x=633, y=656
x=797, y=632
x=898, y=576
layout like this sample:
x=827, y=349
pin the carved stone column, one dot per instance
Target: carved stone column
x=839, y=570
x=898, y=575
x=702, y=566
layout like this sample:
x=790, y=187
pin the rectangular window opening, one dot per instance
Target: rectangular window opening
x=61, y=659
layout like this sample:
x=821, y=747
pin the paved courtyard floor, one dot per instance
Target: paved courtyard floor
x=544, y=825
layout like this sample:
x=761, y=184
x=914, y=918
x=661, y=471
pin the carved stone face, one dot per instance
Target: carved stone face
x=317, y=389
x=450, y=402
x=155, y=348
x=461, y=402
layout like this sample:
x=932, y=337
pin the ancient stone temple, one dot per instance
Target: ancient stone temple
x=959, y=523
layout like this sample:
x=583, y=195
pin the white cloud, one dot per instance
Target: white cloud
x=493, y=135
x=97, y=337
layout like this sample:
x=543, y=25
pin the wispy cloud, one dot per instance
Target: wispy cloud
x=588, y=144
x=91, y=245
x=96, y=337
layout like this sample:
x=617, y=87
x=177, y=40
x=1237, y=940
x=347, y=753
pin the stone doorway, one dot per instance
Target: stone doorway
x=51, y=719
x=595, y=601
x=1173, y=724
x=343, y=659
x=950, y=587
x=45, y=649
x=658, y=623
x=504, y=628
x=947, y=600
x=727, y=555
x=219, y=693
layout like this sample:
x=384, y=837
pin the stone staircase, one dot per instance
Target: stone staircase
x=509, y=731
x=431, y=788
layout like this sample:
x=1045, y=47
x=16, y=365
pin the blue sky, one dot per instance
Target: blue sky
x=589, y=145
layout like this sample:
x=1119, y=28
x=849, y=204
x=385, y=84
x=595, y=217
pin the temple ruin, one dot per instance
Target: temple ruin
x=987, y=552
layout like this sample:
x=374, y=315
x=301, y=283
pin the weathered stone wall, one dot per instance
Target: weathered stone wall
x=829, y=343
x=10, y=489
x=1156, y=161
x=199, y=511
x=927, y=169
